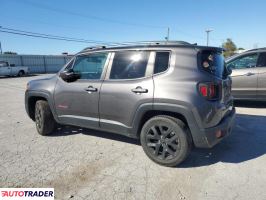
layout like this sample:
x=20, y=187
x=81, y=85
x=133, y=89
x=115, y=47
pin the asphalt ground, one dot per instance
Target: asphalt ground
x=87, y=164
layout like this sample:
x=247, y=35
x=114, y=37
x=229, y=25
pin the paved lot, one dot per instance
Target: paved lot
x=85, y=164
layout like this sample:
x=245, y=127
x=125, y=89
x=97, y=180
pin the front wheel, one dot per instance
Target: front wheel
x=165, y=140
x=45, y=123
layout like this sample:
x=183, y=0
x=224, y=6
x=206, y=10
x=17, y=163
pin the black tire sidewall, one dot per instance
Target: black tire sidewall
x=47, y=122
x=20, y=73
x=38, y=107
x=179, y=130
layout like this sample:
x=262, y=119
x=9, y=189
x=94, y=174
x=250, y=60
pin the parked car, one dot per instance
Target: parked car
x=7, y=69
x=170, y=96
x=249, y=74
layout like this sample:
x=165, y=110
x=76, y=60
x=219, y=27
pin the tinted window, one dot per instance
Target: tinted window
x=161, y=62
x=244, y=62
x=90, y=66
x=129, y=65
x=213, y=62
x=262, y=60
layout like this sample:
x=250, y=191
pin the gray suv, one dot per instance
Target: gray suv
x=171, y=96
x=249, y=75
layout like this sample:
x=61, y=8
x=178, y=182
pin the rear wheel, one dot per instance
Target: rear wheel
x=45, y=123
x=165, y=140
x=21, y=73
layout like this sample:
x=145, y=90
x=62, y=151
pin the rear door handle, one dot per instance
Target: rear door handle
x=139, y=90
x=91, y=89
x=249, y=74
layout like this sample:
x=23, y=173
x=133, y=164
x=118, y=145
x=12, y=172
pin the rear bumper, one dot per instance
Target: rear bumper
x=209, y=134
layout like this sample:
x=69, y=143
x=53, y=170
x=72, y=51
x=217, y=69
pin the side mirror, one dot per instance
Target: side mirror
x=12, y=65
x=69, y=76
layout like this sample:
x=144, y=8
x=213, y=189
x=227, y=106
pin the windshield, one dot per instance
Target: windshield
x=213, y=62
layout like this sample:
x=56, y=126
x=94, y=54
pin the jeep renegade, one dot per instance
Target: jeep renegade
x=171, y=96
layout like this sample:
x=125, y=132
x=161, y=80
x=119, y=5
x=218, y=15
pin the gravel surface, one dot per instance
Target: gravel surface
x=87, y=164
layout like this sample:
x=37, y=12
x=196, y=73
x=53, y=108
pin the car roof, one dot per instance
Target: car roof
x=257, y=50
x=148, y=45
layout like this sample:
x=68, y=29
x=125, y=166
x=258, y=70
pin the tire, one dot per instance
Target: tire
x=166, y=140
x=21, y=73
x=44, y=120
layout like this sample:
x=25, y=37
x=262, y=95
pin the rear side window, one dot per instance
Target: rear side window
x=161, y=62
x=129, y=65
x=262, y=60
x=213, y=63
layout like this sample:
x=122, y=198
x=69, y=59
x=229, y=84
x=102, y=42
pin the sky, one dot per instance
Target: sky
x=130, y=20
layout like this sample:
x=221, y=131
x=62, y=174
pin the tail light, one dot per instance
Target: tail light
x=210, y=91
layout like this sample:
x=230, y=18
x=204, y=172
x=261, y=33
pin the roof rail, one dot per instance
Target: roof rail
x=95, y=47
x=159, y=42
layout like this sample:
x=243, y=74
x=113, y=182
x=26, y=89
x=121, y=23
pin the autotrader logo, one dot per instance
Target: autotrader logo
x=27, y=193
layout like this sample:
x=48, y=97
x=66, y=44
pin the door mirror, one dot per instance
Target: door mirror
x=229, y=71
x=229, y=66
x=69, y=76
x=12, y=65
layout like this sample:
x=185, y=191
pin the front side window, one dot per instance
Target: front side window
x=90, y=66
x=69, y=65
x=129, y=65
x=247, y=61
x=161, y=62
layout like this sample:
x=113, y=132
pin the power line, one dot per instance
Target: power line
x=54, y=38
x=49, y=36
x=92, y=17
x=69, y=39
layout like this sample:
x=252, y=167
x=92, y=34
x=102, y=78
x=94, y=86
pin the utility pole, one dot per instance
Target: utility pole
x=168, y=33
x=208, y=32
x=1, y=52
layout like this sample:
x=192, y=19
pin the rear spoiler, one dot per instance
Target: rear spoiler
x=215, y=49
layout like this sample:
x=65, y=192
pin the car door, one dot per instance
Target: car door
x=261, y=92
x=128, y=85
x=244, y=76
x=76, y=102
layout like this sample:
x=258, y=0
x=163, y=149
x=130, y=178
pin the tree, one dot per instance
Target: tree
x=10, y=52
x=229, y=47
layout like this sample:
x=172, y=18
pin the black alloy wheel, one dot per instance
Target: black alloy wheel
x=166, y=140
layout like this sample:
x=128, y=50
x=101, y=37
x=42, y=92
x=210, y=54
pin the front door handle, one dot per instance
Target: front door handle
x=139, y=90
x=249, y=74
x=91, y=89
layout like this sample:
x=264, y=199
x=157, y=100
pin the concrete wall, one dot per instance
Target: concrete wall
x=38, y=63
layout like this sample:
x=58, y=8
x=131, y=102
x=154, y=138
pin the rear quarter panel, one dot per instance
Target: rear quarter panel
x=179, y=86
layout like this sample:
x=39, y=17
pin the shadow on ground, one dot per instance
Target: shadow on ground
x=13, y=77
x=247, y=142
x=71, y=130
x=250, y=104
